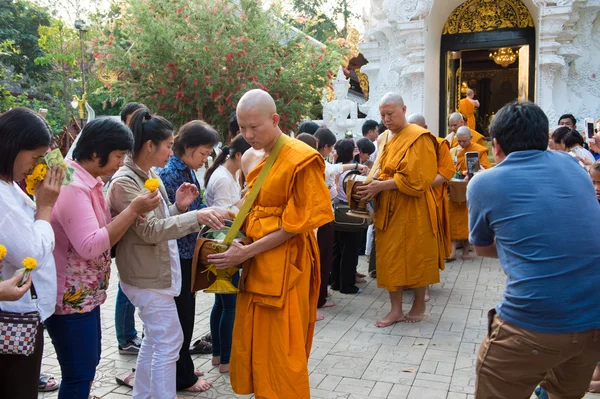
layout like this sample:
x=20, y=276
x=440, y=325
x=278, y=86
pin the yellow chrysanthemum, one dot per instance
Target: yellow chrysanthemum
x=3, y=252
x=38, y=174
x=151, y=184
x=29, y=263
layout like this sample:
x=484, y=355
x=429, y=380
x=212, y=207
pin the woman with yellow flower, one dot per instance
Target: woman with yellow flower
x=148, y=255
x=25, y=231
x=84, y=235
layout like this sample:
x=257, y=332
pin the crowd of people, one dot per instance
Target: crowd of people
x=546, y=330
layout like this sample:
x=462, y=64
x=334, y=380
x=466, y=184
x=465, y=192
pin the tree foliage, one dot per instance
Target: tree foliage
x=193, y=59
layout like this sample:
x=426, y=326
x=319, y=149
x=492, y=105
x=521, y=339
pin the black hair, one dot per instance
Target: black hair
x=238, y=145
x=308, y=127
x=325, y=137
x=146, y=126
x=101, y=137
x=308, y=139
x=368, y=126
x=569, y=116
x=382, y=127
x=520, y=126
x=365, y=146
x=130, y=108
x=345, y=151
x=234, y=128
x=20, y=129
x=194, y=134
x=567, y=136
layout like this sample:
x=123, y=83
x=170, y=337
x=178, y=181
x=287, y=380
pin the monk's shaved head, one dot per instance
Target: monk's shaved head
x=257, y=100
x=463, y=131
x=417, y=119
x=470, y=93
x=455, y=117
x=392, y=98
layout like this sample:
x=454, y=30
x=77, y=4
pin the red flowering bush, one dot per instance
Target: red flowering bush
x=194, y=59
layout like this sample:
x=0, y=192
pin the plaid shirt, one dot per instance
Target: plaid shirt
x=173, y=175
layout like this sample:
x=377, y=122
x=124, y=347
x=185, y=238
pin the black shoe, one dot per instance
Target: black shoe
x=132, y=347
x=373, y=274
x=335, y=287
x=352, y=290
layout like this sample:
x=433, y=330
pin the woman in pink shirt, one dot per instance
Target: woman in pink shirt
x=84, y=235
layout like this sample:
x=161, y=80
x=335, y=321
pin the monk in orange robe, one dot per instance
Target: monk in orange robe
x=405, y=216
x=455, y=121
x=467, y=107
x=277, y=306
x=459, y=214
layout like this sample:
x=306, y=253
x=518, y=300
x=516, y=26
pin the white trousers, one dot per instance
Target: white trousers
x=369, y=245
x=155, y=374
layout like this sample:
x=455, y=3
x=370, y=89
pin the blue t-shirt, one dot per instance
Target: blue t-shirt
x=541, y=208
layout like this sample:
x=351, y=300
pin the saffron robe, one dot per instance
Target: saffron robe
x=406, y=218
x=476, y=138
x=467, y=108
x=446, y=168
x=276, y=308
x=459, y=213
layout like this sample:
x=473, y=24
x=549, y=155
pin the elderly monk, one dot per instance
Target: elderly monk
x=467, y=107
x=405, y=218
x=277, y=305
x=455, y=121
x=459, y=214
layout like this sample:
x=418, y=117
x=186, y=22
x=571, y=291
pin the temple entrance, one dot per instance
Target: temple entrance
x=489, y=47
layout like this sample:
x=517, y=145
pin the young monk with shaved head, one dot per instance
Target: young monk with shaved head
x=457, y=120
x=405, y=217
x=276, y=308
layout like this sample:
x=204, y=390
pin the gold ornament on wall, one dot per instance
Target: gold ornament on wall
x=488, y=15
x=363, y=79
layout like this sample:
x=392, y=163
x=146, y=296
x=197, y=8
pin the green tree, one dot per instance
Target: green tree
x=194, y=59
x=19, y=21
x=319, y=24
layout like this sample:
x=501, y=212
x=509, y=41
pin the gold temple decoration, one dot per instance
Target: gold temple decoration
x=363, y=79
x=488, y=15
x=353, y=39
x=504, y=56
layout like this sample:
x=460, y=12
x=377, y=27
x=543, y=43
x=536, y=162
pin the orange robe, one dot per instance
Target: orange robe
x=476, y=137
x=445, y=168
x=276, y=308
x=459, y=214
x=467, y=108
x=405, y=218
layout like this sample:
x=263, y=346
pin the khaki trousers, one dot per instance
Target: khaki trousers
x=512, y=361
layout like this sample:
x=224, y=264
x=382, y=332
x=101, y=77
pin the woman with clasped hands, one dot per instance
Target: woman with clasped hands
x=26, y=232
x=148, y=256
x=84, y=235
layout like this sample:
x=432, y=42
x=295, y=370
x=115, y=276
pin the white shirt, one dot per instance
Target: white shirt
x=331, y=172
x=223, y=190
x=582, y=153
x=373, y=156
x=23, y=237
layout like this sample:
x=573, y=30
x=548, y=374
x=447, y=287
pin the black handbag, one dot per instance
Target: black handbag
x=343, y=222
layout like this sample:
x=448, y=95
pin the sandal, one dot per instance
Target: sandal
x=47, y=383
x=201, y=347
x=126, y=379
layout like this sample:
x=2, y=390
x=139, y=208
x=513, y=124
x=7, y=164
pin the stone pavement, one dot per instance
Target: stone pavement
x=351, y=358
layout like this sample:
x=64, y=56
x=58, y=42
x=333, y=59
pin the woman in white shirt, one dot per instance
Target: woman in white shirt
x=25, y=231
x=223, y=190
x=570, y=140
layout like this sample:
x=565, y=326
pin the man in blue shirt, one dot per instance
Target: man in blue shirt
x=537, y=212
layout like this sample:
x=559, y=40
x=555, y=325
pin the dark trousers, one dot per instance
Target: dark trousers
x=20, y=374
x=124, y=318
x=325, y=240
x=186, y=309
x=345, y=260
x=373, y=256
x=77, y=340
x=222, y=318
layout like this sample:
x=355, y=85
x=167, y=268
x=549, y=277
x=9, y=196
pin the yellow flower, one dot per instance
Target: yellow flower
x=29, y=263
x=151, y=184
x=3, y=252
x=38, y=174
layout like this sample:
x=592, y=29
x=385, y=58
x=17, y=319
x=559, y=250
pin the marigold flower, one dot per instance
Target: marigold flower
x=151, y=184
x=3, y=252
x=29, y=263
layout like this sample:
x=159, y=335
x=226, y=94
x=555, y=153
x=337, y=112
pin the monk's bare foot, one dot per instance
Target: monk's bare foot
x=320, y=316
x=390, y=319
x=360, y=275
x=224, y=368
x=594, y=387
x=427, y=294
x=200, y=386
x=360, y=280
x=466, y=255
x=328, y=304
x=329, y=294
x=198, y=373
x=451, y=258
x=216, y=360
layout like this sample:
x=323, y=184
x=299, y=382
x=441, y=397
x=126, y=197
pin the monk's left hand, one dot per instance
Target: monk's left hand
x=370, y=191
x=234, y=256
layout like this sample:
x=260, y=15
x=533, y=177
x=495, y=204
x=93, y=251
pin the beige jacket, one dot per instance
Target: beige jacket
x=143, y=252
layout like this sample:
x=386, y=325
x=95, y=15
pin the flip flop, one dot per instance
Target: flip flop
x=47, y=383
x=201, y=347
x=126, y=378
